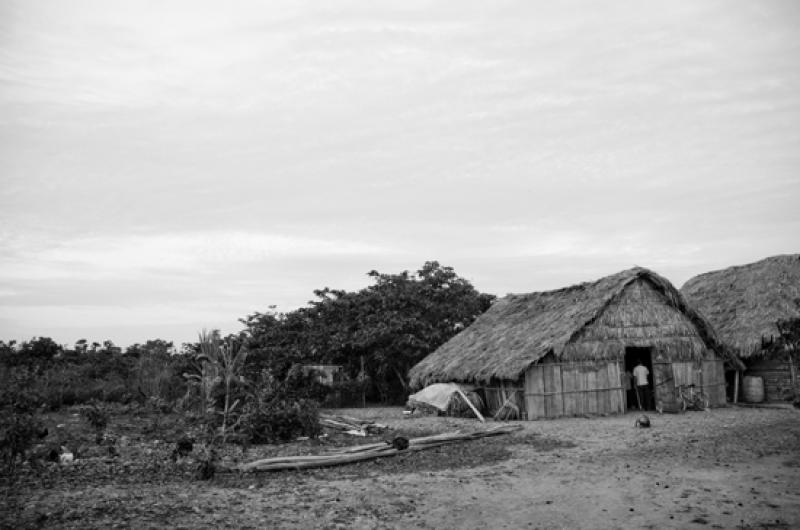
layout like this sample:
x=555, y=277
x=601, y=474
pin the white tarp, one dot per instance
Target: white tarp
x=438, y=394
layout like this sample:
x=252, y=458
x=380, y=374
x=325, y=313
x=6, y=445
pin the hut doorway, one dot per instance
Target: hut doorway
x=633, y=356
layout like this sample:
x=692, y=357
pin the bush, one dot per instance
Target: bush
x=70, y=382
x=239, y=391
x=158, y=376
x=280, y=420
x=96, y=415
x=18, y=390
x=17, y=433
x=274, y=413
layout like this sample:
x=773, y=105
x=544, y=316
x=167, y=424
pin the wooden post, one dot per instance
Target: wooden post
x=477, y=413
x=507, y=401
x=363, y=376
x=736, y=388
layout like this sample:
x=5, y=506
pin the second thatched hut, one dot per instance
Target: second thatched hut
x=563, y=352
x=744, y=304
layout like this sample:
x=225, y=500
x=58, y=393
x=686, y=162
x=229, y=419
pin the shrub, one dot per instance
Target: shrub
x=97, y=416
x=237, y=390
x=17, y=433
x=18, y=390
x=157, y=376
x=280, y=420
x=273, y=413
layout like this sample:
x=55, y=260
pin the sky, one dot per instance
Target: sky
x=172, y=166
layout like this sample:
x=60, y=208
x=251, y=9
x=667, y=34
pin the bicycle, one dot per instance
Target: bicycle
x=688, y=397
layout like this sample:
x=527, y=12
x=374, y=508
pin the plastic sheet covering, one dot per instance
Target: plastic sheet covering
x=438, y=395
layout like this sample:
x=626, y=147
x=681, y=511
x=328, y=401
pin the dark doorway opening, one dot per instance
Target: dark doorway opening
x=633, y=356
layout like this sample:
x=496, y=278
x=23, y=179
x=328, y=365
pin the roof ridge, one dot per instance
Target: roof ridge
x=731, y=268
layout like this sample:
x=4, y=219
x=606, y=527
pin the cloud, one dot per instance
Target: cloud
x=109, y=315
x=268, y=149
x=134, y=255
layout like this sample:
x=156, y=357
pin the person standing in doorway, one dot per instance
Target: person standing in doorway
x=640, y=373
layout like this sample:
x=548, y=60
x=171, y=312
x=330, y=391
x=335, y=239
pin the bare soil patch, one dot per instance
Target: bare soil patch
x=726, y=468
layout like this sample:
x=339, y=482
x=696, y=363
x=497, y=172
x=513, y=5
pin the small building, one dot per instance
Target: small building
x=744, y=304
x=326, y=374
x=563, y=352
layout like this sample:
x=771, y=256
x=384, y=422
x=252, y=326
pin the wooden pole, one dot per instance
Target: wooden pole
x=367, y=452
x=477, y=413
x=363, y=376
x=736, y=388
x=506, y=402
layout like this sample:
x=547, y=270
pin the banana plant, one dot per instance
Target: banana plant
x=220, y=362
x=225, y=362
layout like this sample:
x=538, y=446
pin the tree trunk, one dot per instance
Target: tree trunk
x=401, y=378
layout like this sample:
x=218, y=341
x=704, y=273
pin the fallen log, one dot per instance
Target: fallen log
x=369, y=451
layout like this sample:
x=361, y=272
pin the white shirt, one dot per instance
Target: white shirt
x=640, y=373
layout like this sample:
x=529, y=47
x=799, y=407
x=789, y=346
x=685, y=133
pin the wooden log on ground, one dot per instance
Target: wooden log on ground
x=368, y=452
x=346, y=423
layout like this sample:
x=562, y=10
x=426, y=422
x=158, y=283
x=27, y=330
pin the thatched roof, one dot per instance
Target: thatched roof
x=744, y=302
x=519, y=330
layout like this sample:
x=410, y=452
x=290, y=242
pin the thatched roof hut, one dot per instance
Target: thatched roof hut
x=564, y=352
x=744, y=302
x=519, y=330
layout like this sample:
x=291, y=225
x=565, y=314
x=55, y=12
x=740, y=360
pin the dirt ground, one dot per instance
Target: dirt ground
x=727, y=468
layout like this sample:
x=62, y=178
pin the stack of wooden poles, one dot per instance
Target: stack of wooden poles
x=369, y=451
x=351, y=425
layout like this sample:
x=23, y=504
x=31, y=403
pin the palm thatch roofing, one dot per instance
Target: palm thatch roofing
x=744, y=302
x=519, y=330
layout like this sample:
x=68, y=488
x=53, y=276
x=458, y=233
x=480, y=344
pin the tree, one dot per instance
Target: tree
x=110, y=348
x=403, y=317
x=8, y=352
x=277, y=341
x=153, y=347
x=391, y=325
x=40, y=351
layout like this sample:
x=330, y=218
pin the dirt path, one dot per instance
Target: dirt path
x=727, y=468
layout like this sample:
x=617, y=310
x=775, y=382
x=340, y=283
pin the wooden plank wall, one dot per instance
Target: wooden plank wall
x=708, y=376
x=496, y=396
x=687, y=373
x=573, y=389
x=534, y=392
x=777, y=376
x=554, y=404
x=664, y=381
x=714, y=382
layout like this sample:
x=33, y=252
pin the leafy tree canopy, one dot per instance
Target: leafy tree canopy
x=391, y=324
x=153, y=347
